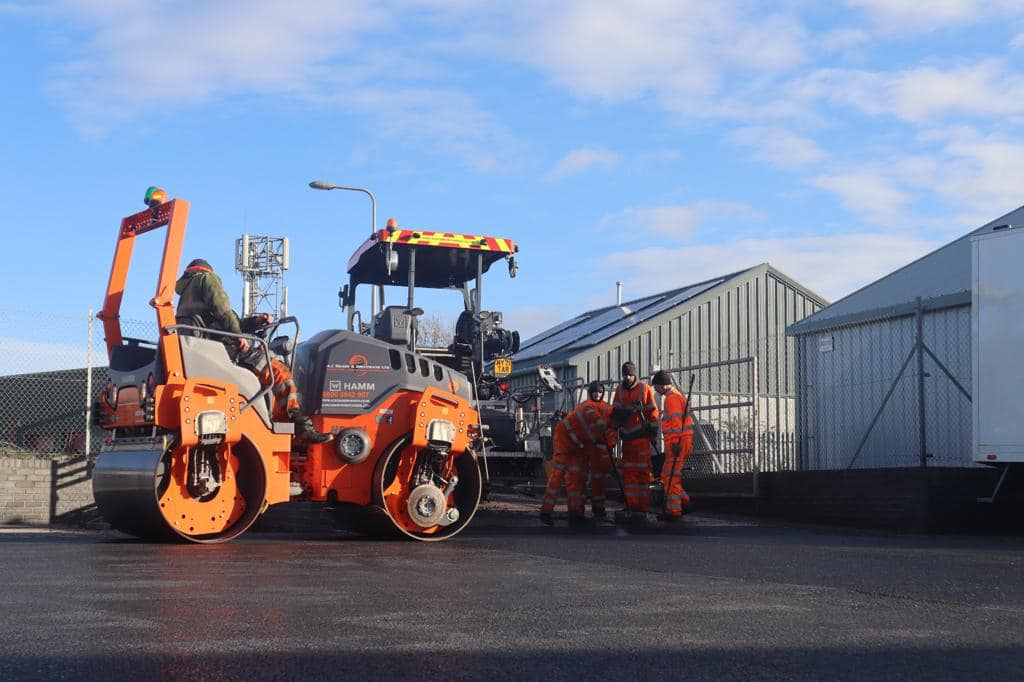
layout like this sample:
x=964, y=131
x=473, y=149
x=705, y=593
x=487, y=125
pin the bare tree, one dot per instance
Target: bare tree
x=435, y=331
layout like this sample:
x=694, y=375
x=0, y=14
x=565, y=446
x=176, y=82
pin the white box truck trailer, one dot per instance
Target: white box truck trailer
x=997, y=346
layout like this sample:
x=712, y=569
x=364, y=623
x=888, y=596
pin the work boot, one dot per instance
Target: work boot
x=670, y=518
x=657, y=493
x=622, y=516
x=600, y=513
x=305, y=432
x=545, y=518
x=638, y=518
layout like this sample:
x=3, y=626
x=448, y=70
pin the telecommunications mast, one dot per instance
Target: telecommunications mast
x=261, y=261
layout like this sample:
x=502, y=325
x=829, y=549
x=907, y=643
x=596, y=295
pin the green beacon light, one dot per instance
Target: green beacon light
x=155, y=196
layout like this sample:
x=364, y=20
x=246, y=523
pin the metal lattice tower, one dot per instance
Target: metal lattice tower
x=261, y=261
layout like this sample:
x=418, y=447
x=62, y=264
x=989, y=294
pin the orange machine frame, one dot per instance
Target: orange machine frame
x=173, y=215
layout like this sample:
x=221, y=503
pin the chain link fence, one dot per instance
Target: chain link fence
x=51, y=369
x=891, y=392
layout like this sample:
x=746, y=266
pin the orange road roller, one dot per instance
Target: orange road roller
x=195, y=453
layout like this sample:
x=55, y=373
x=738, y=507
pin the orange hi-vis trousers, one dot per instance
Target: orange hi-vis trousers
x=675, y=496
x=635, y=470
x=286, y=395
x=599, y=463
x=566, y=468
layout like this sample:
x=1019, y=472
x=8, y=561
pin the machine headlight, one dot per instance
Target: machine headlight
x=441, y=431
x=352, y=445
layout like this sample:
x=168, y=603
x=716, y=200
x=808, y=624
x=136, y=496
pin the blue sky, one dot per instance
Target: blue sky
x=655, y=143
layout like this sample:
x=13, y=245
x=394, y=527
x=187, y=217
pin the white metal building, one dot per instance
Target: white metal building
x=867, y=395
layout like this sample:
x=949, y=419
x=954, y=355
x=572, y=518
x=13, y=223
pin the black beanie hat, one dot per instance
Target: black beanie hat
x=628, y=368
x=199, y=263
x=662, y=378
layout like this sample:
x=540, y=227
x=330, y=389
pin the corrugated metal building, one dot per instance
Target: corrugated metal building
x=734, y=316
x=849, y=358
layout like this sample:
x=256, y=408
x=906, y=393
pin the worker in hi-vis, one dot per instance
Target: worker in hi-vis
x=677, y=431
x=635, y=417
x=574, y=434
x=597, y=414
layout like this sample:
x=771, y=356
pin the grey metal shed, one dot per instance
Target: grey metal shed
x=866, y=396
x=734, y=316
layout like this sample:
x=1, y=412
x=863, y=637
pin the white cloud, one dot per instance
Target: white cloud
x=969, y=176
x=915, y=16
x=1017, y=42
x=676, y=222
x=447, y=121
x=988, y=89
x=979, y=171
x=843, y=39
x=832, y=266
x=781, y=148
x=132, y=64
x=678, y=51
x=134, y=61
x=868, y=192
x=580, y=160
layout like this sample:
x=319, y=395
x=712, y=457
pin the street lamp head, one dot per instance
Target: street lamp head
x=322, y=184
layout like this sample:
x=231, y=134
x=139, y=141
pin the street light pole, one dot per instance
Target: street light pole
x=324, y=185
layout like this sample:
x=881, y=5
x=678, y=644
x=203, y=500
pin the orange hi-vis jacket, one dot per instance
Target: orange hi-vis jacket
x=595, y=416
x=565, y=440
x=676, y=424
x=576, y=430
x=641, y=396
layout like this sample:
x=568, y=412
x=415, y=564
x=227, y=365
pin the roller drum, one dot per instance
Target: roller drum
x=143, y=492
x=124, y=485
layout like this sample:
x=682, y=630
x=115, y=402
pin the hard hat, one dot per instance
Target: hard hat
x=662, y=378
x=199, y=263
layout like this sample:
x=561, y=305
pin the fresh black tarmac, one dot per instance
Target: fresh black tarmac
x=511, y=599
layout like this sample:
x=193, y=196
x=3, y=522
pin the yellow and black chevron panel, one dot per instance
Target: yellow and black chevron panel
x=451, y=240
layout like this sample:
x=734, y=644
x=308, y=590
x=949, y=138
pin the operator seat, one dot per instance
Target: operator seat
x=209, y=359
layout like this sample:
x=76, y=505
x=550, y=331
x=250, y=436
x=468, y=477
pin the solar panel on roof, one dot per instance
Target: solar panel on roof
x=592, y=328
x=547, y=333
x=641, y=316
x=570, y=334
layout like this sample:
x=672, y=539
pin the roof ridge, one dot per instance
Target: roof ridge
x=668, y=292
x=886, y=276
x=655, y=299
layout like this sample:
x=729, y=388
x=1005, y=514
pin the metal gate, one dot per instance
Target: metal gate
x=727, y=407
x=743, y=430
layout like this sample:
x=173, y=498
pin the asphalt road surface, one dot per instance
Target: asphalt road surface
x=511, y=599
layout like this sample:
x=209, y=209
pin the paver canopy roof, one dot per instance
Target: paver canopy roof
x=443, y=259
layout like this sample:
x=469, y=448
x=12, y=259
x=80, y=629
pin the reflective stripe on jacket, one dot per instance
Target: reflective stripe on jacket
x=596, y=416
x=675, y=422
